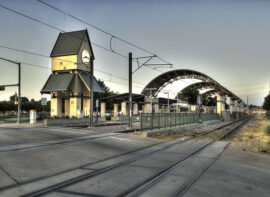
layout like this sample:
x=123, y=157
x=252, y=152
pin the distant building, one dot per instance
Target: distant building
x=69, y=83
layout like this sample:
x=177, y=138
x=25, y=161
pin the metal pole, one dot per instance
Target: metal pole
x=151, y=100
x=91, y=118
x=43, y=112
x=169, y=102
x=19, y=92
x=130, y=87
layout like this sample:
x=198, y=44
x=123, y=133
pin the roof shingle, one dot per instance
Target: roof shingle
x=69, y=43
x=60, y=82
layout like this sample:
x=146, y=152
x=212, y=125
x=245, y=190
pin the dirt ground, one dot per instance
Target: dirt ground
x=254, y=136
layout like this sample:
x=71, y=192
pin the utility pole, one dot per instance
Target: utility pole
x=19, y=93
x=91, y=118
x=130, y=88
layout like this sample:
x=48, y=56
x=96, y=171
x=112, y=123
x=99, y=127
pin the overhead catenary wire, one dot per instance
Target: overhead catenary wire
x=43, y=67
x=101, y=30
x=61, y=30
x=41, y=55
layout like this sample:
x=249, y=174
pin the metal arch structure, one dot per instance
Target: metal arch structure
x=210, y=92
x=214, y=88
x=174, y=75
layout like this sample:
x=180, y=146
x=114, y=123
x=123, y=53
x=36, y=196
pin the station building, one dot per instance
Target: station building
x=69, y=82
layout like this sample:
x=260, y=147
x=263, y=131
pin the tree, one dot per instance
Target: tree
x=190, y=95
x=209, y=101
x=23, y=99
x=266, y=103
x=108, y=92
x=26, y=105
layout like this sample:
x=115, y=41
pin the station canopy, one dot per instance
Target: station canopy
x=62, y=82
x=136, y=98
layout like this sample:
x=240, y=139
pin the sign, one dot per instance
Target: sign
x=199, y=99
x=43, y=101
x=2, y=88
x=97, y=103
x=33, y=116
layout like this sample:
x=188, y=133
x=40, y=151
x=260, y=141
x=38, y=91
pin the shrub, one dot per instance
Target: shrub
x=267, y=130
x=108, y=117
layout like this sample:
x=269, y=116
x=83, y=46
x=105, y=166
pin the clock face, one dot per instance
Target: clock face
x=85, y=56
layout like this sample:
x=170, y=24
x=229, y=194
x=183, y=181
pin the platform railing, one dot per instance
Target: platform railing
x=150, y=121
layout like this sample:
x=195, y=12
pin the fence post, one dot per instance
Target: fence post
x=165, y=119
x=175, y=119
x=178, y=119
x=158, y=120
x=140, y=121
x=170, y=118
x=152, y=120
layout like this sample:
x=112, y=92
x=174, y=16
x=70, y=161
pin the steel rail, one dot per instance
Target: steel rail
x=180, y=191
x=53, y=144
x=103, y=170
x=145, y=185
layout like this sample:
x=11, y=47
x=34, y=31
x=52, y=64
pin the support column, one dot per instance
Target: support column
x=86, y=106
x=135, y=108
x=67, y=102
x=124, y=108
x=75, y=107
x=147, y=108
x=162, y=108
x=115, y=110
x=102, y=109
x=56, y=107
x=232, y=106
x=237, y=107
x=220, y=104
x=156, y=108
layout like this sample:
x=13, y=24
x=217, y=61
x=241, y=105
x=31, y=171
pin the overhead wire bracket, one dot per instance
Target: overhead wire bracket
x=145, y=63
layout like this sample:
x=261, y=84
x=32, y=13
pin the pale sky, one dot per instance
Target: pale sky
x=229, y=40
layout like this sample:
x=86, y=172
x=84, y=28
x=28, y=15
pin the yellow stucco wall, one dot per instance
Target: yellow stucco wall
x=75, y=107
x=64, y=62
x=67, y=103
x=102, y=109
x=86, y=106
x=56, y=107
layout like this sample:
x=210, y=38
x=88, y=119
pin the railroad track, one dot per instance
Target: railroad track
x=138, y=188
x=52, y=142
x=144, y=186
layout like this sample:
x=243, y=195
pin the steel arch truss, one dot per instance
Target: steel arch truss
x=171, y=76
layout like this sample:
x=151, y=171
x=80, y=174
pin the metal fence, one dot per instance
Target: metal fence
x=150, y=121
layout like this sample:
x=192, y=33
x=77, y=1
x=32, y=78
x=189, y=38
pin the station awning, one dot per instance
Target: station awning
x=59, y=82
x=86, y=80
x=62, y=82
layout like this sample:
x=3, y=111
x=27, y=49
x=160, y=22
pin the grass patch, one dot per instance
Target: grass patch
x=256, y=136
x=168, y=136
x=212, y=135
x=172, y=135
